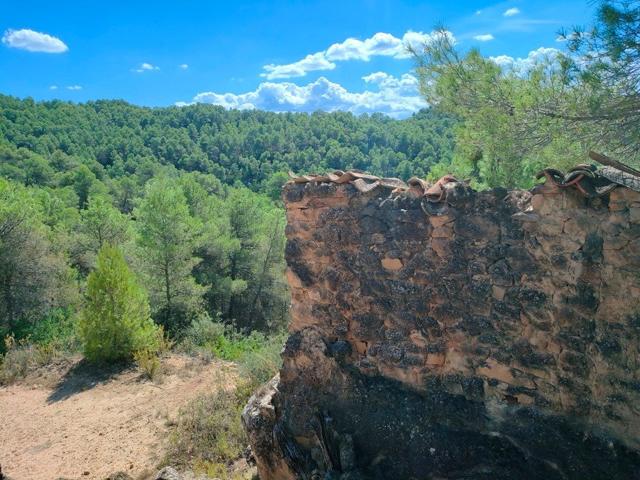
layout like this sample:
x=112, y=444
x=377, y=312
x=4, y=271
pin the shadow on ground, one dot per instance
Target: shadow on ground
x=84, y=376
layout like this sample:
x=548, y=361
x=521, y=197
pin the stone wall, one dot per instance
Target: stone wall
x=489, y=335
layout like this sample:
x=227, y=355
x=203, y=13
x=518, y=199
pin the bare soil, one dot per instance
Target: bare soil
x=74, y=421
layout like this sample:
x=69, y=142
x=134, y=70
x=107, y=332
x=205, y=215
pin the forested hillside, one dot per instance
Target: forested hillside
x=114, y=139
x=189, y=195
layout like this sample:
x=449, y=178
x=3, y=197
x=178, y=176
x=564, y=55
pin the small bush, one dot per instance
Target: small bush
x=211, y=469
x=209, y=434
x=116, y=321
x=163, y=344
x=202, y=333
x=260, y=365
x=223, y=341
x=22, y=356
x=209, y=430
x=233, y=345
x=148, y=363
x=56, y=330
x=219, y=471
x=16, y=361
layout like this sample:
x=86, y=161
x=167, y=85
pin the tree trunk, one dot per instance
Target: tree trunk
x=265, y=265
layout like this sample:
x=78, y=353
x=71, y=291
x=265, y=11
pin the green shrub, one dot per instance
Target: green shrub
x=148, y=358
x=233, y=345
x=148, y=363
x=209, y=434
x=202, y=332
x=220, y=471
x=223, y=341
x=115, y=322
x=209, y=430
x=163, y=344
x=215, y=470
x=258, y=366
x=56, y=330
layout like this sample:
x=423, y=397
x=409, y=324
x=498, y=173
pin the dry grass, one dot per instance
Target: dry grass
x=23, y=357
x=209, y=437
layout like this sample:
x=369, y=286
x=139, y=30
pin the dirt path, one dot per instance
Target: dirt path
x=88, y=426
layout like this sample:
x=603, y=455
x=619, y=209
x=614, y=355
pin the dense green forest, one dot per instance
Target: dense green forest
x=115, y=139
x=189, y=195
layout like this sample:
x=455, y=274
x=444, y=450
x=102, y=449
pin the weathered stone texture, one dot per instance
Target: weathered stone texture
x=492, y=335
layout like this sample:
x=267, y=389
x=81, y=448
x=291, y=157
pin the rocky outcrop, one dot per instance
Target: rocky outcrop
x=438, y=332
x=168, y=473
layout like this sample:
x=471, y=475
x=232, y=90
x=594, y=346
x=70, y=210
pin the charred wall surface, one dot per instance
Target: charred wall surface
x=486, y=335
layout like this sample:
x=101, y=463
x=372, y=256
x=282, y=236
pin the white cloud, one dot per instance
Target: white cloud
x=511, y=12
x=485, y=37
x=146, y=67
x=380, y=44
x=407, y=84
x=504, y=61
x=310, y=63
x=32, y=41
x=523, y=65
x=74, y=87
x=184, y=66
x=53, y=87
x=397, y=97
x=478, y=12
x=377, y=77
x=353, y=49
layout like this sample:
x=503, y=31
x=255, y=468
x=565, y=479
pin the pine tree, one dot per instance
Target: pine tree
x=101, y=224
x=167, y=237
x=116, y=321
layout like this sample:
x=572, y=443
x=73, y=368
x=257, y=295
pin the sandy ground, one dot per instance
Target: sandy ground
x=74, y=423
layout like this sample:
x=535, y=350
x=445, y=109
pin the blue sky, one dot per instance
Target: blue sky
x=275, y=55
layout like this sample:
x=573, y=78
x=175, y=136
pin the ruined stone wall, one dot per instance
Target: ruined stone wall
x=491, y=335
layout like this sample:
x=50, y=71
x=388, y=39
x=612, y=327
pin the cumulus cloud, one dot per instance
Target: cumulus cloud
x=485, y=37
x=406, y=85
x=397, y=97
x=184, y=66
x=377, y=77
x=523, y=65
x=310, y=63
x=74, y=87
x=53, y=87
x=32, y=41
x=146, y=67
x=511, y=12
x=380, y=44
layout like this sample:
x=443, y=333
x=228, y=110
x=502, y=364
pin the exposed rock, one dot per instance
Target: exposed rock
x=168, y=473
x=119, y=476
x=459, y=335
x=2, y=475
